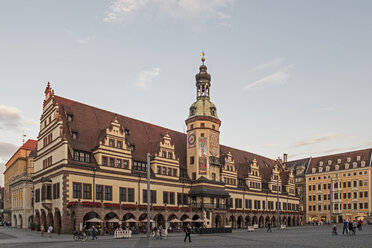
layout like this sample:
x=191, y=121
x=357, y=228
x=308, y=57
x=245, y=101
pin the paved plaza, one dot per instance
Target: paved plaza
x=308, y=236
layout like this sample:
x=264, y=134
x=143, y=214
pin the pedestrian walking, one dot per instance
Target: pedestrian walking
x=354, y=226
x=94, y=233
x=351, y=230
x=50, y=230
x=334, y=230
x=187, y=233
x=345, y=229
x=42, y=230
x=268, y=227
x=360, y=222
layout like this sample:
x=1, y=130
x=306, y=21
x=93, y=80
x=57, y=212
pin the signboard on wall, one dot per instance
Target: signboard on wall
x=203, y=158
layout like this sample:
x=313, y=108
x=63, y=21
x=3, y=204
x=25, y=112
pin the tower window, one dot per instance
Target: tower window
x=202, y=135
x=69, y=117
x=192, y=126
x=192, y=160
x=213, y=127
x=202, y=124
x=74, y=135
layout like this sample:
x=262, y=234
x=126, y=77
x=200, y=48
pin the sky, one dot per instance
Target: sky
x=287, y=76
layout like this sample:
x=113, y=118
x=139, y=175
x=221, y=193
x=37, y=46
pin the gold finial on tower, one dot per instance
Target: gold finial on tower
x=203, y=58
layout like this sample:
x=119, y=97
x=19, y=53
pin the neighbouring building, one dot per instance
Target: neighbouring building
x=92, y=163
x=1, y=203
x=18, y=193
x=339, y=187
x=299, y=168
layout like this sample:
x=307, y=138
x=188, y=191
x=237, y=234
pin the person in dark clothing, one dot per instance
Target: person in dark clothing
x=351, y=228
x=94, y=233
x=187, y=233
x=268, y=227
x=345, y=229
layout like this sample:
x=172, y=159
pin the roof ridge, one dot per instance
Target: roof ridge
x=343, y=153
x=118, y=114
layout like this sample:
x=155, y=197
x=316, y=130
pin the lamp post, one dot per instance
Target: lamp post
x=277, y=200
x=148, y=196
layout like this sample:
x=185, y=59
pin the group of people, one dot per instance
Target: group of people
x=5, y=223
x=49, y=230
x=349, y=227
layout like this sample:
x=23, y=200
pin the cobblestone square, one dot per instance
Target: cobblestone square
x=308, y=236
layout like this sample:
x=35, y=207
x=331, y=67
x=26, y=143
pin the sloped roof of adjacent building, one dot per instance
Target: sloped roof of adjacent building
x=295, y=164
x=90, y=121
x=365, y=155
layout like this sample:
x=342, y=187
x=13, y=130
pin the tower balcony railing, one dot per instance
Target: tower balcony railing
x=209, y=206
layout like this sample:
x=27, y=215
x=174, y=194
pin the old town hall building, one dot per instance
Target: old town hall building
x=91, y=163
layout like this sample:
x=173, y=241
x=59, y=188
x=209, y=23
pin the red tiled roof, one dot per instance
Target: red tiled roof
x=90, y=122
x=29, y=145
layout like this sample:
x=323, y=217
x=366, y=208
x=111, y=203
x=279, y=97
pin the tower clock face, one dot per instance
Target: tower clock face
x=191, y=140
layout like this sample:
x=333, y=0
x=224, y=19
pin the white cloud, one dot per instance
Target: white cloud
x=78, y=39
x=146, y=77
x=12, y=119
x=323, y=138
x=275, y=78
x=120, y=11
x=269, y=64
x=330, y=108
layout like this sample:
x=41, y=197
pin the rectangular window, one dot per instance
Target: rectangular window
x=130, y=195
x=360, y=194
x=355, y=184
x=123, y=194
x=366, y=205
x=99, y=192
x=118, y=163
x=174, y=172
x=355, y=206
x=355, y=195
x=360, y=205
x=165, y=197
x=104, y=160
x=194, y=176
x=37, y=195
x=192, y=160
x=87, y=191
x=159, y=169
x=365, y=193
x=214, y=176
x=153, y=196
x=125, y=164
x=164, y=154
x=43, y=192
x=77, y=190
x=360, y=183
x=112, y=162
x=111, y=143
x=108, y=193
x=170, y=155
x=169, y=171
x=120, y=144
x=49, y=192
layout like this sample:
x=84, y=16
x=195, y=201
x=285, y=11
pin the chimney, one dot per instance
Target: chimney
x=285, y=156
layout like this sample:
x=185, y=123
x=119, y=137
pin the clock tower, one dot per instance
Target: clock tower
x=203, y=131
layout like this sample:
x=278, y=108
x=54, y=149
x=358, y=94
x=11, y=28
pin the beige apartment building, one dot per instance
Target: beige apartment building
x=92, y=163
x=339, y=187
x=18, y=186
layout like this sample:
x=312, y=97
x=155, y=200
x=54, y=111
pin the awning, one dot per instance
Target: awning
x=208, y=191
x=95, y=220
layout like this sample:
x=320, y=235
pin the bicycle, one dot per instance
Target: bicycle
x=78, y=236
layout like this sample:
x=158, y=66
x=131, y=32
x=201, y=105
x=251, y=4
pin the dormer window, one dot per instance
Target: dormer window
x=337, y=167
x=213, y=111
x=348, y=159
x=119, y=144
x=355, y=164
x=313, y=170
x=363, y=163
x=320, y=169
x=170, y=155
x=69, y=117
x=339, y=160
x=74, y=135
x=358, y=158
x=82, y=156
x=329, y=162
x=132, y=148
x=320, y=163
x=346, y=166
x=126, y=132
x=327, y=168
x=192, y=111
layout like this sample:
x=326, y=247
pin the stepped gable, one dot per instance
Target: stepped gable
x=365, y=155
x=90, y=123
x=244, y=159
